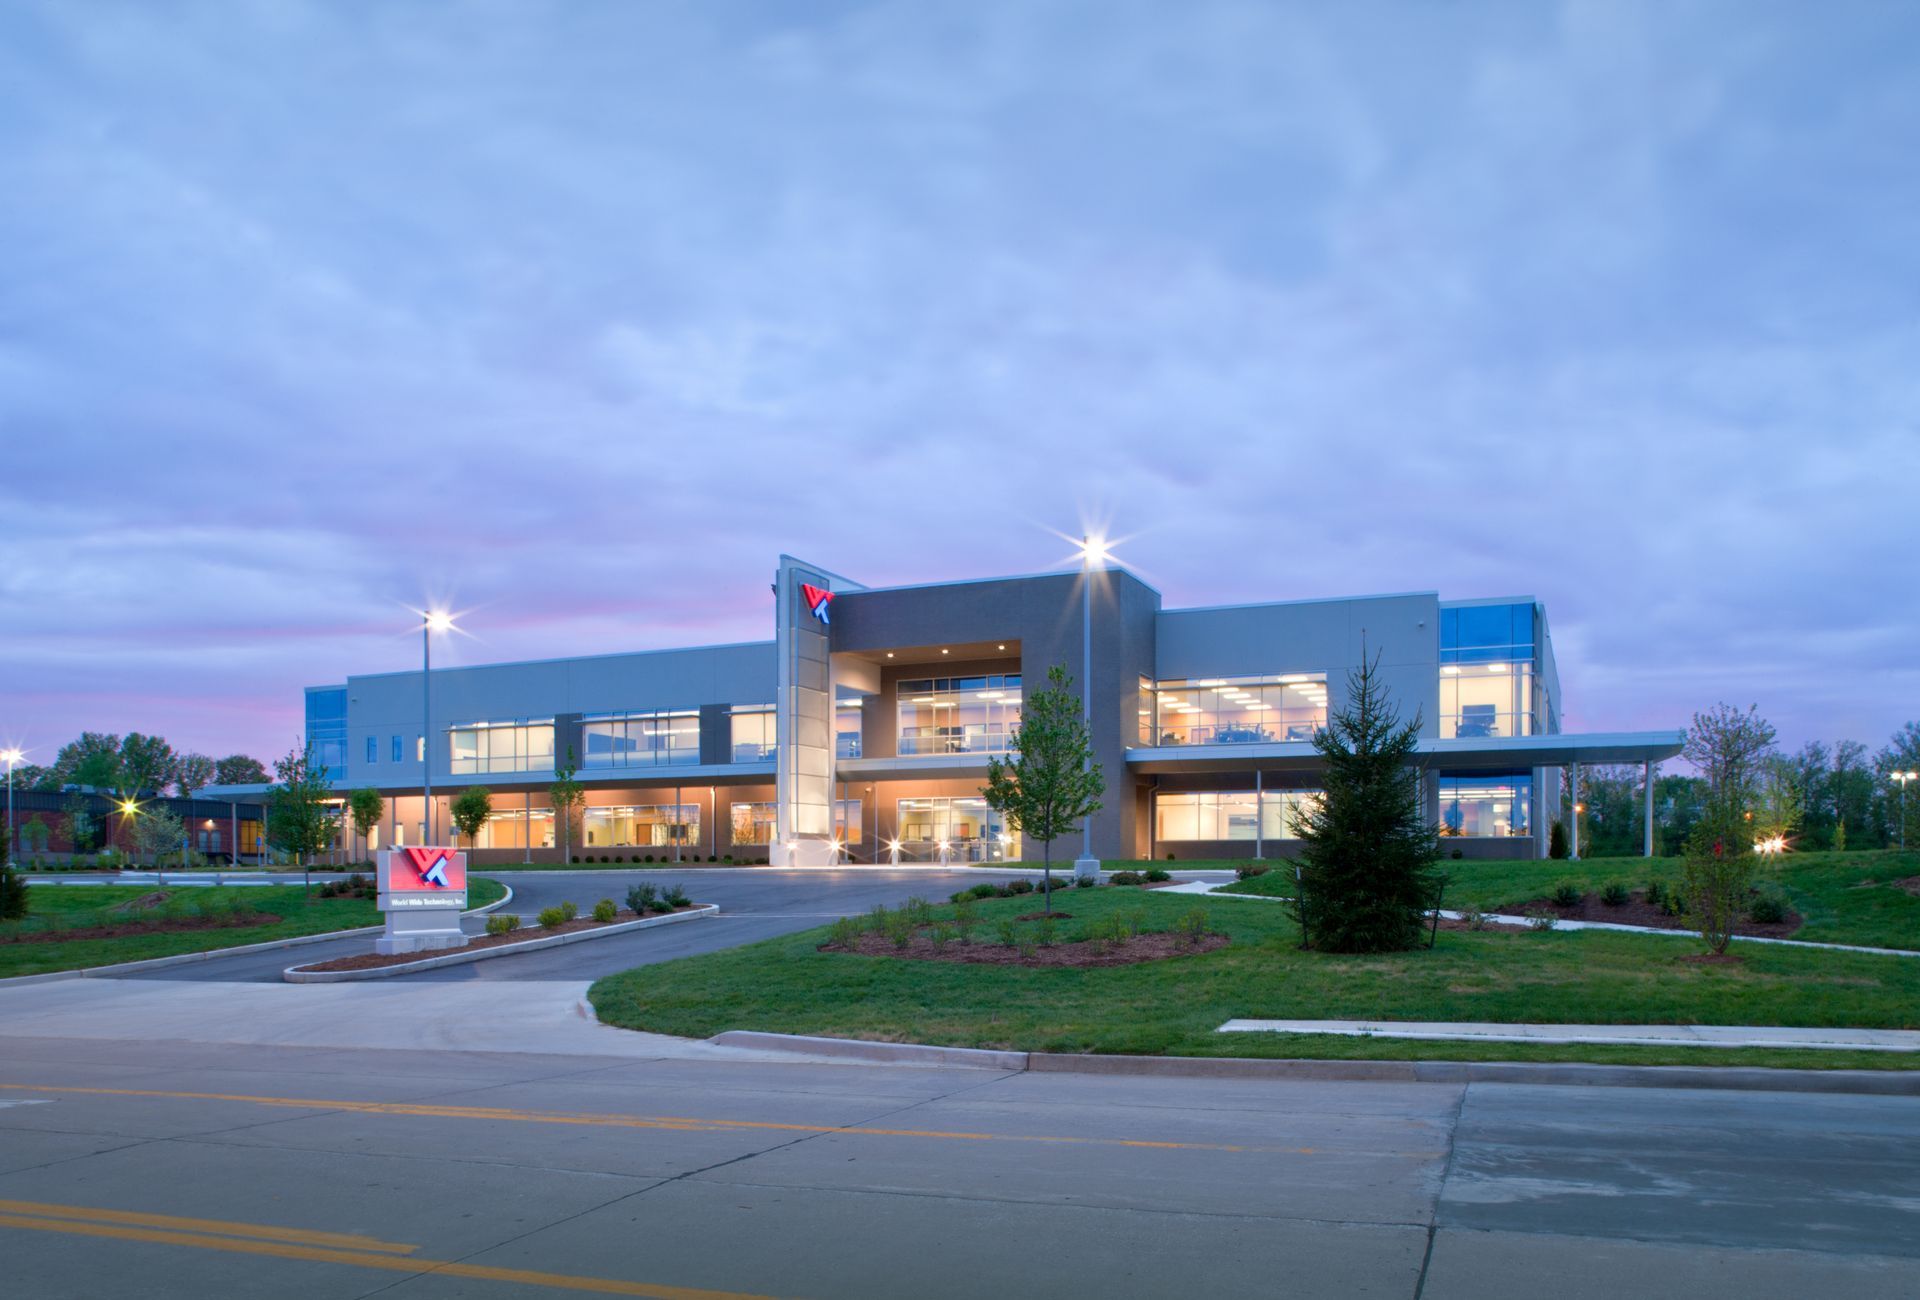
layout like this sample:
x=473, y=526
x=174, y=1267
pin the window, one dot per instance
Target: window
x=642, y=739
x=1236, y=710
x=968, y=829
x=373, y=749
x=959, y=715
x=753, y=733
x=846, y=820
x=847, y=715
x=514, y=830
x=327, y=729
x=752, y=823
x=1486, y=633
x=643, y=825
x=1478, y=701
x=502, y=747
x=1490, y=806
x=1230, y=814
x=397, y=751
x=419, y=749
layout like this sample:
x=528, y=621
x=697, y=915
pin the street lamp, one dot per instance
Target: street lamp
x=10, y=757
x=436, y=620
x=1094, y=553
x=1903, y=778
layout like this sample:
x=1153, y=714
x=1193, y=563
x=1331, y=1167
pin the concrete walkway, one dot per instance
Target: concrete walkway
x=1855, y=1040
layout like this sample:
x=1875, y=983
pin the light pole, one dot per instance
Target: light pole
x=1902, y=777
x=10, y=757
x=435, y=621
x=1093, y=554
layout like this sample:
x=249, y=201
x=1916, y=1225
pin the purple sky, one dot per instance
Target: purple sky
x=577, y=314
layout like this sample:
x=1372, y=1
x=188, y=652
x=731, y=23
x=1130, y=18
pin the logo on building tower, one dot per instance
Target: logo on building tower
x=817, y=598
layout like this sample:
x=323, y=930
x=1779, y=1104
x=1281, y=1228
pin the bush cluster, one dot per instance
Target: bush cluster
x=1250, y=870
x=1157, y=875
x=502, y=923
x=1567, y=894
x=1615, y=895
x=1768, y=909
x=604, y=910
x=1126, y=878
x=552, y=918
x=354, y=886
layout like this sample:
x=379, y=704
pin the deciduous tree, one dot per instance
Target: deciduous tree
x=566, y=795
x=300, y=816
x=240, y=769
x=366, y=807
x=1050, y=785
x=470, y=810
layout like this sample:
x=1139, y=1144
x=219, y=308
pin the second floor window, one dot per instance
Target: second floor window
x=1234, y=710
x=502, y=747
x=959, y=715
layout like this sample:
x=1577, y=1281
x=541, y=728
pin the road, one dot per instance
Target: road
x=479, y=1137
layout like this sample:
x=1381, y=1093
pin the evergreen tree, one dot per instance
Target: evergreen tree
x=1369, y=860
x=13, y=888
x=1557, y=839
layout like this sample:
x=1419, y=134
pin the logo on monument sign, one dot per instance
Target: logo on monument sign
x=432, y=866
x=817, y=599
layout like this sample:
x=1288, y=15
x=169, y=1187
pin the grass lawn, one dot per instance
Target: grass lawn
x=1845, y=897
x=1174, y=1006
x=66, y=906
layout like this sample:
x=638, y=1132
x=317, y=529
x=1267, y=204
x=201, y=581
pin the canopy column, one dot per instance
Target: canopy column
x=1573, y=771
x=1647, y=842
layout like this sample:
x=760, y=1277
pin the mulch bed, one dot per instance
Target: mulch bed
x=1911, y=884
x=155, y=926
x=1144, y=947
x=371, y=960
x=1638, y=911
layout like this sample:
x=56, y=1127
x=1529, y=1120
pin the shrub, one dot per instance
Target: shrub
x=1656, y=892
x=1457, y=854
x=1674, y=903
x=1192, y=926
x=844, y=933
x=1135, y=919
x=1251, y=870
x=649, y=857
x=1567, y=894
x=677, y=897
x=1169, y=857
x=1768, y=909
x=1542, y=921
x=1007, y=932
x=919, y=909
x=1085, y=882
x=940, y=936
x=877, y=918
x=1615, y=895
x=1155, y=875
x=570, y=909
x=1126, y=878
x=1557, y=841
x=1474, y=918
x=984, y=891
x=1019, y=887
x=1109, y=931
x=900, y=927
x=502, y=923
x=552, y=918
x=604, y=910
x=1049, y=928
x=641, y=897
x=964, y=915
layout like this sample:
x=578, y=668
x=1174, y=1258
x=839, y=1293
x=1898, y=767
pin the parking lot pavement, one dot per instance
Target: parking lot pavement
x=180, y=1169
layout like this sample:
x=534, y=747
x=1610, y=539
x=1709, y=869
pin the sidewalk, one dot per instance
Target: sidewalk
x=1856, y=1040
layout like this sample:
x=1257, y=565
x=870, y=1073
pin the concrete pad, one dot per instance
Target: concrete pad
x=1525, y=1266
x=811, y=1242
x=1815, y=1038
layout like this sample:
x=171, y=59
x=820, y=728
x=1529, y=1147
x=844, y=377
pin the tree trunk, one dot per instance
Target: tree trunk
x=1046, y=874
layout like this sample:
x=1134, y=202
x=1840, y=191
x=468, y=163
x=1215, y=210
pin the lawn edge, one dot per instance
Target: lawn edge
x=295, y=975
x=1739, y=1078
x=208, y=954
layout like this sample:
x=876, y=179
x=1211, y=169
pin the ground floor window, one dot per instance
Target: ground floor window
x=964, y=829
x=518, y=830
x=753, y=823
x=642, y=825
x=846, y=821
x=1229, y=814
x=1488, y=806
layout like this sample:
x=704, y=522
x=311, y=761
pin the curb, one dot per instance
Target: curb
x=185, y=958
x=294, y=975
x=1885, y=1083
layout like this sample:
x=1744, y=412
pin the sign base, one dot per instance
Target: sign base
x=422, y=891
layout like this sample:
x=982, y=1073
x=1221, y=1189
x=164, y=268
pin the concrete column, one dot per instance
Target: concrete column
x=526, y=825
x=1573, y=831
x=1259, y=816
x=1647, y=841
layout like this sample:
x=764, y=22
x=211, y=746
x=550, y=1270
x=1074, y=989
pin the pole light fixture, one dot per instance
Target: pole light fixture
x=11, y=757
x=1095, y=553
x=431, y=621
x=1904, y=778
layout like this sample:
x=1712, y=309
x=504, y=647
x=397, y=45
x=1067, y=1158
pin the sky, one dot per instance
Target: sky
x=573, y=316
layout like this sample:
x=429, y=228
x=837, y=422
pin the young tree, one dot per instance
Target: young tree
x=81, y=826
x=147, y=765
x=566, y=795
x=1726, y=747
x=1369, y=857
x=470, y=810
x=366, y=808
x=239, y=769
x=300, y=816
x=1729, y=749
x=1051, y=785
x=156, y=831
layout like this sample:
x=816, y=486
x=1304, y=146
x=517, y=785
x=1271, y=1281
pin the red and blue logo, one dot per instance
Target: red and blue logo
x=817, y=598
x=431, y=866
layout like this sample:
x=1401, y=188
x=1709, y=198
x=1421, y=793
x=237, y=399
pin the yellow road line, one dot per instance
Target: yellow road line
x=347, y=1240
x=679, y=1124
x=365, y=1259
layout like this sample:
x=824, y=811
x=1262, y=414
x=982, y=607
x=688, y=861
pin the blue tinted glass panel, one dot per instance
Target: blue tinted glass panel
x=327, y=730
x=396, y=749
x=373, y=749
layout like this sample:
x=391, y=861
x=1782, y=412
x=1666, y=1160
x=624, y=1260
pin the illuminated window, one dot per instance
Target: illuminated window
x=846, y=820
x=642, y=825
x=970, y=830
x=753, y=733
x=847, y=716
x=642, y=739
x=1491, y=806
x=513, y=830
x=752, y=823
x=959, y=715
x=1236, y=710
x=1230, y=814
x=501, y=747
x=1478, y=701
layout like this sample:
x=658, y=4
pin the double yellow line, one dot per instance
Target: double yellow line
x=316, y=1247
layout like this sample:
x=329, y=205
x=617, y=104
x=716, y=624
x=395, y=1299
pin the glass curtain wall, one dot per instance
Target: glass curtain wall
x=1486, y=671
x=959, y=715
x=847, y=716
x=1238, y=710
x=1486, y=806
x=1229, y=814
x=642, y=825
x=327, y=730
x=971, y=831
x=502, y=747
x=642, y=739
